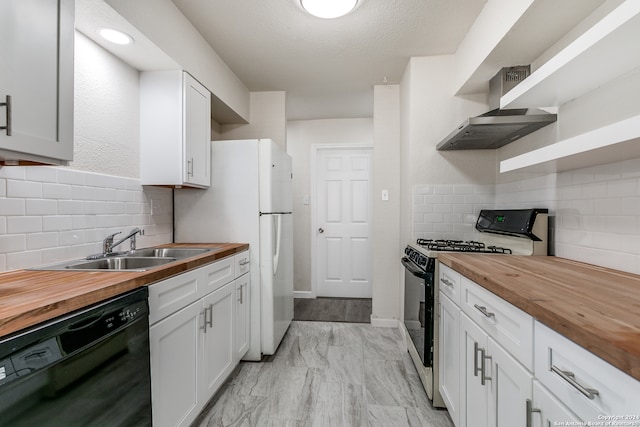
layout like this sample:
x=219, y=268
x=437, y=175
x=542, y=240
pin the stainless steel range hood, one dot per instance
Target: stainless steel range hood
x=498, y=127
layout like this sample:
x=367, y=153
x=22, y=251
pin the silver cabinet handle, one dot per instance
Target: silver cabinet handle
x=483, y=367
x=190, y=167
x=446, y=282
x=240, y=299
x=207, y=321
x=476, y=369
x=482, y=309
x=203, y=313
x=7, y=104
x=244, y=262
x=480, y=368
x=320, y=230
x=569, y=377
x=529, y=412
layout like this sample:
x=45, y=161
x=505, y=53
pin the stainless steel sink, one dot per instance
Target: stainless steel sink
x=120, y=263
x=177, y=253
x=112, y=263
x=139, y=260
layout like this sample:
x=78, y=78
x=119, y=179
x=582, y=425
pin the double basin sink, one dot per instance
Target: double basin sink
x=138, y=260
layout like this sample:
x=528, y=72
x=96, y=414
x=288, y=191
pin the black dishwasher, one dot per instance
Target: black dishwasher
x=87, y=368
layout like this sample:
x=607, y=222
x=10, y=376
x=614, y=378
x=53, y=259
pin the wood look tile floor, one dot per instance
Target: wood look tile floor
x=352, y=310
x=327, y=374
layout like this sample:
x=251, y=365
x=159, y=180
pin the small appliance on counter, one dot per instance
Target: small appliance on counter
x=509, y=232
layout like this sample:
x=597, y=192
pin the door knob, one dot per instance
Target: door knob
x=320, y=230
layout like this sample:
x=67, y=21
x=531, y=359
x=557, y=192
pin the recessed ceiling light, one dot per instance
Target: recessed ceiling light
x=115, y=36
x=328, y=8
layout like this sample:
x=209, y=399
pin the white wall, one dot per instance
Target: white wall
x=268, y=120
x=386, y=214
x=50, y=214
x=301, y=136
x=163, y=24
x=429, y=113
x=106, y=112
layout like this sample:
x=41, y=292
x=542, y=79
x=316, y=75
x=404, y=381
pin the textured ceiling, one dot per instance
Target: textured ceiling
x=328, y=67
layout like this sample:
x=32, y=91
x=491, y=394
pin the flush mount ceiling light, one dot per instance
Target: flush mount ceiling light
x=115, y=36
x=328, y=9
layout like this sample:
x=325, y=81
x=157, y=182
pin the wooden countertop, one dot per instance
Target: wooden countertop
x=596, y=307
x=29, y=297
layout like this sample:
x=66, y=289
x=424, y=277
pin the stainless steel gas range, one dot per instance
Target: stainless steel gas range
x=509, y=232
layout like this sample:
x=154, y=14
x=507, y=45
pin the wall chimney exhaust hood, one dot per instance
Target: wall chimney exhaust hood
x=498, y=127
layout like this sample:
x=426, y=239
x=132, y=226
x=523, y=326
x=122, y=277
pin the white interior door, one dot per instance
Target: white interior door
x=343, y=222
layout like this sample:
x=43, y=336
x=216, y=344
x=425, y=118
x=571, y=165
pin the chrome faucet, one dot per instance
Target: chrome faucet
x=108, y=244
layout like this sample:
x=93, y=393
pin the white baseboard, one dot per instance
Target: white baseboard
x=303, y=294
x=384, y=323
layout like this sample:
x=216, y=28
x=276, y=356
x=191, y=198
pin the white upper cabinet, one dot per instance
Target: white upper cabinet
x=36, y=81
x=175, y=130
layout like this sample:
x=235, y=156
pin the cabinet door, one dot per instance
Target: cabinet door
x=509, y=388
x=174, y=367
x=197, y=133
x=473, y=393
x=548, y=409
x=449, y=352
x=242, y=316
x=217, y=340
x=36, y=71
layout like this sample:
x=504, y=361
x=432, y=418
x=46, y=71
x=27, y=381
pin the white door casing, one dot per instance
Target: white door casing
x=342, y=216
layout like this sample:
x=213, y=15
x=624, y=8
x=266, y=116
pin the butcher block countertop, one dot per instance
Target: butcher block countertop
x=30, y=297
x=596, y=307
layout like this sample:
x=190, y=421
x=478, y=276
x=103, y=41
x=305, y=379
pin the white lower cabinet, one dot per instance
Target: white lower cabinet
x=217, y=339
x=242, y=316
x=199, y=332
x=175, y=361
x=546, y=410
x=505, y=381
x=495, y=386
x=449, y=353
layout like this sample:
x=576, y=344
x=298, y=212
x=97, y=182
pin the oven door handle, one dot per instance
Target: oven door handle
x=413, y=269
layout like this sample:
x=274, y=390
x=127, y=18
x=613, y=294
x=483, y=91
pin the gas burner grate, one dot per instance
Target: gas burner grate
x=461, y=246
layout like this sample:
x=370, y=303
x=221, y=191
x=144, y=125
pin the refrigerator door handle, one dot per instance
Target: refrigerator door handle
x=276, y=255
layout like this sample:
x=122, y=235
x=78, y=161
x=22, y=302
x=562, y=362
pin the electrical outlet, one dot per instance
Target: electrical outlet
x=385, y=195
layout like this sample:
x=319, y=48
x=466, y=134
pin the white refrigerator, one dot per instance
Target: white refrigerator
x=250, y=201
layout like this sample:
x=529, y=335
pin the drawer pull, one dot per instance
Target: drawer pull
x=244, y=262
x=569, y=377
x=529, y=411
x=446, y=282
x=7, y=104
x=482, y=309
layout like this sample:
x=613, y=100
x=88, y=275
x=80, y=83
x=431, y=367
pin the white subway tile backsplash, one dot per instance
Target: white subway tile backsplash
x=24, y=224
x=443, y=189
x=70, y=176
x=42, y=240
x=24, y=259
x=51, y=214
x=56, y=191
x=42, y=174
x=23, y=189
x=57, y=223
x=12, y=172
x=10, y=207
x=41, y=207
x=13, y=243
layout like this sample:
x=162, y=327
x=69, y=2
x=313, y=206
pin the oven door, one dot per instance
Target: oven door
x=418, y=309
